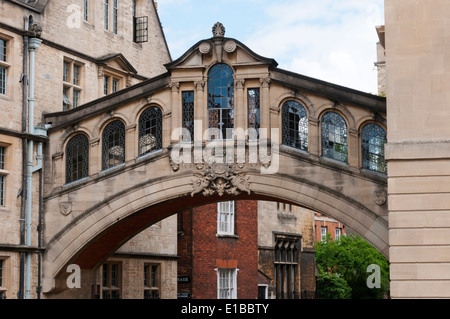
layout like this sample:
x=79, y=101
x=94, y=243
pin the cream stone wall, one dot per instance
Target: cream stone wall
x=418, y=89
x=298, y=221
x=85, y=44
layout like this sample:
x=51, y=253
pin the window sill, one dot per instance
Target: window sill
x=227, y=236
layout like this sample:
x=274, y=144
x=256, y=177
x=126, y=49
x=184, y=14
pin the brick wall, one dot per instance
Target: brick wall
x=210, y=251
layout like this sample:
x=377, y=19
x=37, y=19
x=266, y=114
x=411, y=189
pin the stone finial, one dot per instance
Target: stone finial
x=218, y=30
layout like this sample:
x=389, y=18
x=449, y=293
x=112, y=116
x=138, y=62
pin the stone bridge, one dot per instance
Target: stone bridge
x=221, y=123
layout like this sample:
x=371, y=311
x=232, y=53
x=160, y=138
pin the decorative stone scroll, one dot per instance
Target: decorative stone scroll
x=205, y=47
x=229, y=46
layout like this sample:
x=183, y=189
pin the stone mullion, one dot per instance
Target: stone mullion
x=314, y=137
x=353, y=148
x=239, y=108
x=200, y=111
x=176, y=112
x=265, y=105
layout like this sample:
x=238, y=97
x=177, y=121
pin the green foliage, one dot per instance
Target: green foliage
x=332, y=287
x=348, y=259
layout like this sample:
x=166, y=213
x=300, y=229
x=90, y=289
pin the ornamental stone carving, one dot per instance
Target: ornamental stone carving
x=229, y=46
x=380, y=197
x=220, y=179
x=65, y=208
x=218, y=30
x=34, y=31
x=205, y=47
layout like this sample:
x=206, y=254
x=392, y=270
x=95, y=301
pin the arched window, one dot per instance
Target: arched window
x=334, y=137
x=113, y=146
x=150, y=130
x=295, y=125
x=221, y=101
x=373, y=138
x=77, y=158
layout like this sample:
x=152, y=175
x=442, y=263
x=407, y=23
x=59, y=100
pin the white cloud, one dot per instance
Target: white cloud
x=330, y=40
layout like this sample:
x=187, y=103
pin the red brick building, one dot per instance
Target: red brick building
x=326, y=225
x=218, y=249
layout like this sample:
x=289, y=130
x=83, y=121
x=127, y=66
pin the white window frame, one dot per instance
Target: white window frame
x=323, y=235
x=5, y=65
x=338, y=233
x=227, y=276
x=225, y=218
x=73, y=81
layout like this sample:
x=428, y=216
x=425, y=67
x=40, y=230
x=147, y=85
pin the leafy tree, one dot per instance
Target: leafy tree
x=347, y=260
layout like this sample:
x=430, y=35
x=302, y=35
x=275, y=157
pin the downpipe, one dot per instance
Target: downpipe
x=24, y=80
x=33, y=45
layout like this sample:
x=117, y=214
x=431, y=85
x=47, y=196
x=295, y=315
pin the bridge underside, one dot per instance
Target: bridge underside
x=100, y=223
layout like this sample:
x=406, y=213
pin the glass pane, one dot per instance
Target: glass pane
x=373, y=138
x=150, y=130
x=334, y=137
x=294, y=125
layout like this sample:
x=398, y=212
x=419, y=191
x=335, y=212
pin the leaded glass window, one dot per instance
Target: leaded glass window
x=253, y=101
x=373, y=138
x=221, y=101
x=334, y=137
x=150, y=130
x=113, y=147
x=188, y=115
x=295, y=125
x=77, y=158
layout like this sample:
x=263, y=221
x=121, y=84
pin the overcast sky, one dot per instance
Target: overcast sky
x=331, y=40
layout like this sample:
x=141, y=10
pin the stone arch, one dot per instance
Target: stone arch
x=68, y=134
x=341, y=110
x=299, y=97
x=370, y=119
x=94, y=234
x=107, y=118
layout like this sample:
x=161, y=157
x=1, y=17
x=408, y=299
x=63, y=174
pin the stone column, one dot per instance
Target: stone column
x=239, y=107
x=175, y=109
x=200, y=111
x=314, y=146
x=353, y=148
x=95, y=162
x=100, y=75
x=265, y=105
x=130, y=143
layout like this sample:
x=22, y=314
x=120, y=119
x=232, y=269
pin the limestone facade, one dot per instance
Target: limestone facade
x=76, y=54
x=281, y=223
x=417, y=55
